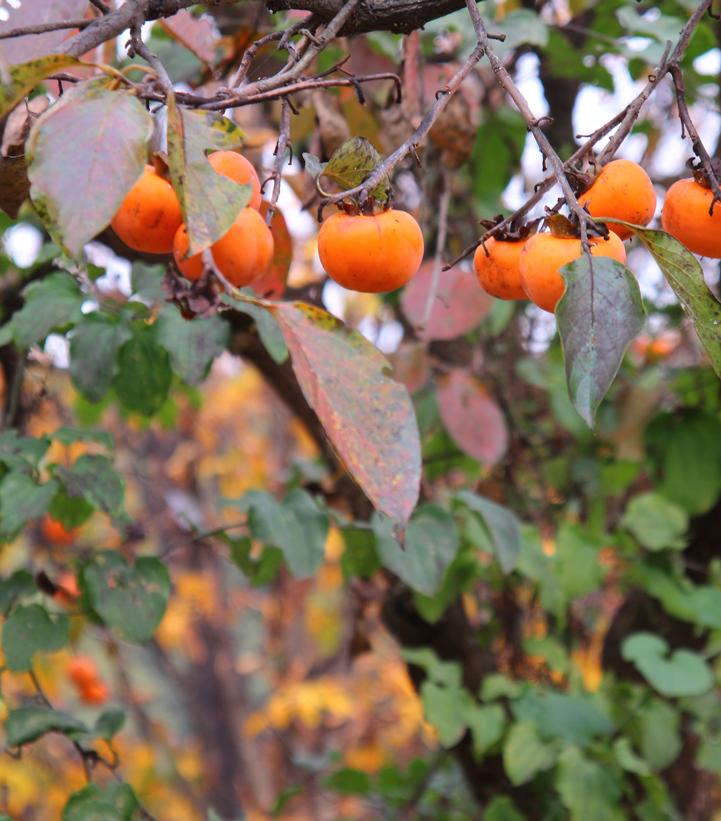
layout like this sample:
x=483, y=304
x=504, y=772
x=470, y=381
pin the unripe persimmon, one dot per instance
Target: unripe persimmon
x=149, y=215
x=544, y=254
x=686, y=217
x=235, y=166
x=372, y=254
x=624, y=190
x=55, y=531
x=497, y=266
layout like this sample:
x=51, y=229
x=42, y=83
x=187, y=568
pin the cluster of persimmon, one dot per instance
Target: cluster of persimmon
x=529, y=268
x=83, y=672
x=150, y=220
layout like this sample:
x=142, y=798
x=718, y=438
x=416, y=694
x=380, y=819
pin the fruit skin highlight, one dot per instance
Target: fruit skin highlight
x=372, y=254
x=543, y=255
x=686, y=217
x=497, y=266
x=235, y=166
x=149, y=215
x=623, y=190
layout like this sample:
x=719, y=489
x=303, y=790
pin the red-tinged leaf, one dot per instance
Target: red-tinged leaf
x=210, y=202
x=84, y=154
x=21, y=79
x=459, y=305
x=272, y=284
x=472, y=418
x=36, y=13
x=411, y=365
x=195, y=33
x=368, y=416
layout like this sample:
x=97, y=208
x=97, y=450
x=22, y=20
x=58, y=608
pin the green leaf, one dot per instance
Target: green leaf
x=575, y=719
x=628, y=759
x=29, y=630
x=525, y=755
x=429, y=547
x=115, y=802
x=22, y=453
x=444, y=673
x=296, y=526
x=447, y=709
x=94, y=346
x=131, y=599
x=655, y=728
x=78, y=184
x=352, y=163
x=503, y=528
x=501, y=808
x=210, y=202
x=683, y=673
x=51, y=303
x=21, y=500
x=109, y=723
x=486, y=724
x=17, y=586
x=367, y=415
x=147, y=281
x=496, y=155
x=93, y=478
x=191, y=344
x=588, y=790
x=144, y=376
x=19, y=80
x=27, y=724
x=656, y=522
x=68, y=436
x=268, y=330
x=599, y=314
x=684, y=274
x=575, y=563
x=349, y=782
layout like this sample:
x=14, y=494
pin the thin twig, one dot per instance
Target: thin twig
x=43, y=28
x=441, y=235
x=278, y=163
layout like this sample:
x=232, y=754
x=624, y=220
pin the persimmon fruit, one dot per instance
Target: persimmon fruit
x=623, y=190
x=149, y=215
x=82, y=671
x=371, y=253
x=497, y=266
x=237, y=168
x=544, y=254
x=67, y=592
x=190, y=267
x=55, y=531
x=95, y=694
x=686, y=217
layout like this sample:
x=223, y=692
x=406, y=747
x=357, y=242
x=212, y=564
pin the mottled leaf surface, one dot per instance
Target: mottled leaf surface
x=79, y=182
x=599, y=314
x=209, y=201
x=22, y=78
x=368, y=416
x=191, y=345
x=472, y=417
x=352, y=163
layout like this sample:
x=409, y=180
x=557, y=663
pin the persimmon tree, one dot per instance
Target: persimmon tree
x=526, y=521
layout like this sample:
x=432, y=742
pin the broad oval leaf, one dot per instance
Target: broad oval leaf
x=209, y=201
x=78, y=183
x=472, y=417
x=683, y=673
x=353, y=162
x=367, y=415
x=30, y=629
x=599, y=314
x=460, y=304
x=191, y=345
x=27, y=724
x=94, y=347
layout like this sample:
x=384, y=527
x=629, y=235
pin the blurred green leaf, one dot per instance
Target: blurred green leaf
x=29, y=630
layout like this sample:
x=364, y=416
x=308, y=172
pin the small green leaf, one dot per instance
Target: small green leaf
x=656, y=522
x=51, y=303
x=22, y=453
x=131, y=599
x=115, y=802
x=21, y=500
x=501, y=808
x=192, y=345
x=683, y=673
x=588, y=790
x=313, y=165
x=144, y=376
x=17, y=586
x=349, y=782
x=447, y=710
x=352, y=163
x=268, y=329
x=575, y=719
x=29, y=630
x=599, y=314
x=109, y=723
x=655, y=729
x=93, y=478
x=27, y=724
x=525, y=755
x=486, y=724
x=94, y=346
x=68, y=436
x=503, y=528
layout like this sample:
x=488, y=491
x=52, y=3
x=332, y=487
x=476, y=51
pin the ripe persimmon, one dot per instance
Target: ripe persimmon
x=190, y=267
x=497, y=266
x=55, y=531
x=235, y=166
x=686, y=216
x=149, y=215
x=624, y=190
x=373, y=253
x=544, y=254
x=244, y=252
x=96, y=693
x=82, y=671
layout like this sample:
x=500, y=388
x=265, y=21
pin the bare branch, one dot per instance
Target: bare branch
x=280, y=149
x=42, y=28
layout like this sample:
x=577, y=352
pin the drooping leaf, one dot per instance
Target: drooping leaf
x=51, y=303
x=131, y=599
x=26, y=724
x=23, y=78
x=459, y=306
x=29, y=630
x=599, y=314
x=94, y=347
x=22, y=499
x=367, y=415
x=144, y=376
x=429, y=546
x=268, y=329
x=472, y=417
x=109, y=723
x=78, y=184
x=93, y=478
x=191, y=345
x=503, y=527
x=683, y=673
x=114, y=802
x=352, y=163
x=209, y=201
